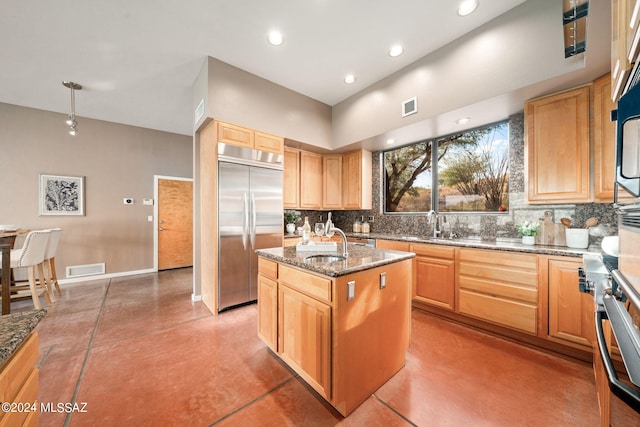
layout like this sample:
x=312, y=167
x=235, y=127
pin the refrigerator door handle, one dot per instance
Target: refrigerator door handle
x=253, y=221
x=245, y=222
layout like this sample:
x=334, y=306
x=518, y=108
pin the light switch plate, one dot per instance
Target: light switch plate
x=351, y=290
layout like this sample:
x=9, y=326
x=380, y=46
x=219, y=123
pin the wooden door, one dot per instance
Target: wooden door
x=332, y=182
x=310, y=180
x=570, y=311
x=175, y=224
x=291, y=179
x=304, y=335
x=557, y=147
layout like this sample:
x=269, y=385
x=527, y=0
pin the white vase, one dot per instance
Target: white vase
x=291, y=228
x=529, y=240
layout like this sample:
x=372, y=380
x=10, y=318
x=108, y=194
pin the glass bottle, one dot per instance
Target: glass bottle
x=365, y=226
x=306, y=231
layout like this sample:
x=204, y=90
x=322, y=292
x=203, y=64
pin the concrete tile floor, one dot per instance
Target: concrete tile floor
x=139, y=352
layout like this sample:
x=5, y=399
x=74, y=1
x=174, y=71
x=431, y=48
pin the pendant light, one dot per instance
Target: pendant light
x=71, y=121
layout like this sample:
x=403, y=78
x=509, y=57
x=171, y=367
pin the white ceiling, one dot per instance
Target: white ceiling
x=137, y=60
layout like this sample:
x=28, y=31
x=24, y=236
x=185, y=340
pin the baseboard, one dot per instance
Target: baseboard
x=105, y=276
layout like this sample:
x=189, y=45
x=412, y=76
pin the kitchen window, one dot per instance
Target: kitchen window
x=462, y=172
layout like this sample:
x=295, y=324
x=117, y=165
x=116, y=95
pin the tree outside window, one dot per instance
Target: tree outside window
x=470, y=173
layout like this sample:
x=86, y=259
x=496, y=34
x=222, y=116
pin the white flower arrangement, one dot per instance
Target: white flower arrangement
x=528, y=228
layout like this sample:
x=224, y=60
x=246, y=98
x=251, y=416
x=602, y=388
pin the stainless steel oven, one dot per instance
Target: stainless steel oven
x=614, y=279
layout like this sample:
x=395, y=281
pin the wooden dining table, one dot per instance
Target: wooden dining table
x=7, y=240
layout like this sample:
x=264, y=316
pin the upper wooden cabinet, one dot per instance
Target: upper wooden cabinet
x=291, y=179
x=604, y=141
x=332, y=182
x=356, y=180
x=557, y=147
x=310, y=180
x=249, y=138
x=625, y=42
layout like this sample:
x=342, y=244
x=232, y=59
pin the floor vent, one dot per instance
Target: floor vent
x=85, y=270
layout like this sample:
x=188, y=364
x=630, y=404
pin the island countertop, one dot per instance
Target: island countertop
x=14, y=329
x=360, y=258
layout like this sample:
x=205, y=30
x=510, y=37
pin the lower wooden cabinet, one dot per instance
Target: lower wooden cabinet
x=19, y=383
x=434, y=275
x=501, y=290
x=393, y=245
x=571, y=316
x=304, y=330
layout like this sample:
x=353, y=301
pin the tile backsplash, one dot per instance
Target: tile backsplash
x=487, y=226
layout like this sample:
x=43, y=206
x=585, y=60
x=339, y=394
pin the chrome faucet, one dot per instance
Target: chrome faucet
x=345, y=253
x=433, y=219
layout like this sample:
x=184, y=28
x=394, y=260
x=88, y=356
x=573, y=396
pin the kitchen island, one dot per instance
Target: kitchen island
x=343, y=326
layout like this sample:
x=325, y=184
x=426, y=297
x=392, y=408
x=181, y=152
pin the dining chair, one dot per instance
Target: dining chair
x=31, y=256
x=50, y=263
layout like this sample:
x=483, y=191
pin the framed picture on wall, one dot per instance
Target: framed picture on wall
x=61, y=195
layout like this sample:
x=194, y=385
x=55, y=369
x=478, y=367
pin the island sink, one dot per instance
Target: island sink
x=320, y=259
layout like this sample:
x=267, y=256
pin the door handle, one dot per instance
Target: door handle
x=253, y=221
x=161, y=229
x=245, y=225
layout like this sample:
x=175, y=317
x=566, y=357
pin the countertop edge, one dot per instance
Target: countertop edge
x=14, y=330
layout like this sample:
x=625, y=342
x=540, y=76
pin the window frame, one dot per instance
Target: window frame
x=435, y=173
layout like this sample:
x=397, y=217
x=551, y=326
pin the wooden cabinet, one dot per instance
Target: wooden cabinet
x=305, y=338
x=434, y=275
x=570, y=311
x=393, y=245
x=249, y=138
x=344, y=346
x=310, y=180
x=332, y=182
x=557, y=147
x=604, y=141
x=501, y=290
x=356, y=180
x=624, y=43
x=291, y=179
x=19, y=383
x=268, y=307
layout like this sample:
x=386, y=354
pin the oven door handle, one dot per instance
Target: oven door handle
x=626, y=393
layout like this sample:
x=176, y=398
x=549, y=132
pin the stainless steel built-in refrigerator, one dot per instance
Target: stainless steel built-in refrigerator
x=249, y=218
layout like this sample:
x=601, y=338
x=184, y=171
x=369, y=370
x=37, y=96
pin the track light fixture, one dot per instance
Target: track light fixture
x=71, y=121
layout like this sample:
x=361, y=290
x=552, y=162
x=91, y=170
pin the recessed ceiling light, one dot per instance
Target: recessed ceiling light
x=391, y=141
x=349, y=78
x=466, y=7
x=396, y=50
x=463, y=121
x=275, y=38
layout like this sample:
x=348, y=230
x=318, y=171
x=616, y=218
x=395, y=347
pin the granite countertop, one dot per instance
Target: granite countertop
x=513, y=245
x=360, y=258
x=14, y=329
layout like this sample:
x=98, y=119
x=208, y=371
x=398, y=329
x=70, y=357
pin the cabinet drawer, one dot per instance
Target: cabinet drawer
x=16, y=371
x=268, y=268
x=434, y=251
x=509, y=259
x=505, y=312
x=315, y=286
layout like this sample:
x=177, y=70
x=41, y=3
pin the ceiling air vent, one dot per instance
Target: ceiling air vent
x=410, y=106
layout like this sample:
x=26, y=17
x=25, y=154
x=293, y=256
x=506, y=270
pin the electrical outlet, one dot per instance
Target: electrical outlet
x=127, y=201
x=370, y=218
